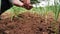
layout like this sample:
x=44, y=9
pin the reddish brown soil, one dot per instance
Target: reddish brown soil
x=27, y=23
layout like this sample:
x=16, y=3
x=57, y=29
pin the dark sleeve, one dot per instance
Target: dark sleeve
x=5, y=5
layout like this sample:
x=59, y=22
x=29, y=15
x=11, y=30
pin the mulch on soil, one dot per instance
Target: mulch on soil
x=27, y=23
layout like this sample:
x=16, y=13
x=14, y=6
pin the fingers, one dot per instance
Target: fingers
x=26, y=1
x=28, y=6
x=17, y=2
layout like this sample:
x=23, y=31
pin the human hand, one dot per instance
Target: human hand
x=25, y=3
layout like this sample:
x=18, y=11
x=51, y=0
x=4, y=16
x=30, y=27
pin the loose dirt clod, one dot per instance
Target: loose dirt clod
x=27, y=23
